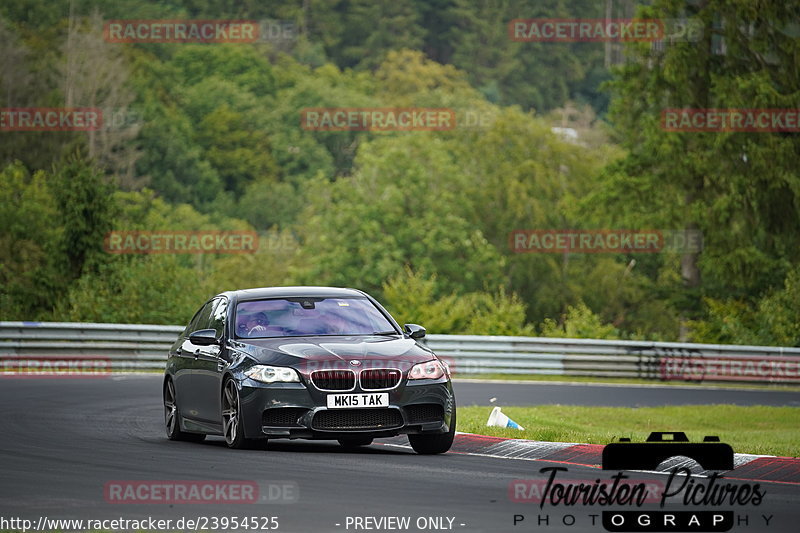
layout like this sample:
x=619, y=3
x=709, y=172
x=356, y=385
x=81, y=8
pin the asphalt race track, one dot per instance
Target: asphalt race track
x=62, y=441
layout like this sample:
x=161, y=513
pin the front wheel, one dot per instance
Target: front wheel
x=433, y=444
x=172, y=417
x=232, y=419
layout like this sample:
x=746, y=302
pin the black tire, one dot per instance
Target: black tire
x=437, y=443
x=355, y=442
x=232, y=420
x=172, y=417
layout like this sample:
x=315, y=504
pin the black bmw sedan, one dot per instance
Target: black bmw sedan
x=309, y=363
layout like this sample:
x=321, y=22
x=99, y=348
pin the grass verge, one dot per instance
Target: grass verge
x=749, y=429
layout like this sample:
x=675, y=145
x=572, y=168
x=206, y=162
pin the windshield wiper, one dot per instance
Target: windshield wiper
x=392, y=332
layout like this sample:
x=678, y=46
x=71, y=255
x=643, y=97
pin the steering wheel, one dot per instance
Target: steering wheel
x=258, y=328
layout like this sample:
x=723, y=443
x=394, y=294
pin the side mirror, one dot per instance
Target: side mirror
x=414, y=331
x=203, y=337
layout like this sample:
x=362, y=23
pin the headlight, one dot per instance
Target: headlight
x=271, y=374
x=430, y=370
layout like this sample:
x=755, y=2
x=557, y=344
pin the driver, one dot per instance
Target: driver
x=257, y=324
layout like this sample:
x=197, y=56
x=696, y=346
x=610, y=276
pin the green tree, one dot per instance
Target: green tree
x=31, y=255
x=142, y=290
x=27, y=80
x=302, y=154
x=774, y=320
x=86, y=211
x=402, y=206
x=371, y=29
x=579, y=322
x=158, y=288
x=410, y=297
x=739, y=189
x=239, y=153
x=518, y=175
x=533, y=75
x=171, y=160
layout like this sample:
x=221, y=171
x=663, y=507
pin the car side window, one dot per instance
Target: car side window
x=202, y=318
x=219, y=316
x=192, y=322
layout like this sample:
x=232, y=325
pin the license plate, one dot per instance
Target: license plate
x=343, y=401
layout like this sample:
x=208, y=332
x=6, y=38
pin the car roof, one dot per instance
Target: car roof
x=294, y=292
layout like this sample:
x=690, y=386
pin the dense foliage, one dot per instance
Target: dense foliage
x=208, y=137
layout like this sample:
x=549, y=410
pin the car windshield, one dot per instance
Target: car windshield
x=297, y=317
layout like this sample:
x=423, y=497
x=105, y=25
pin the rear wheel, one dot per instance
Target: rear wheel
x=232, y=419
x=172, y=417
x=355, y=442
x=433, y=444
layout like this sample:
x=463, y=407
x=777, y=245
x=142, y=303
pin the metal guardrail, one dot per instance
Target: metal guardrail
x=475, y=354
x=144, y=347
x=125, y=346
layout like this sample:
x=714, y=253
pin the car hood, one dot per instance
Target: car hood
x=307, y=353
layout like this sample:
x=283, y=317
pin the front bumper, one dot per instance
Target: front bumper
x=298, y=411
